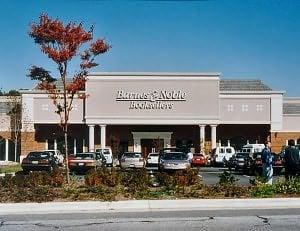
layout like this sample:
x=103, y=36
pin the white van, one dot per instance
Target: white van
x=222, y=154
x=252, y=148
x=107, y=153
x=58, y=155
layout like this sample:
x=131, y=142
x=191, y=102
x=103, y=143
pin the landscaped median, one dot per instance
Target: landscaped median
x=116, y=185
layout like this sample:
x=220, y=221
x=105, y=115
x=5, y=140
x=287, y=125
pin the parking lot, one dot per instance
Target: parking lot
x=210, y=175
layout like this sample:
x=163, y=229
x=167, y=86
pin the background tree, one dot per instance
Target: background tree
x=61, y=43
x=15, y=113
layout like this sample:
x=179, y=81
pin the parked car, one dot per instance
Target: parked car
x=107, y=154
x=240, y=162
x=278, y=163
x=257, y=163
x=39, y=161
x=58, y=155
x=152, y=159
x=222, y=154
x=86, y=161
x=253, y=148
x=199, y=160
x=174, y=161
x=132, y=160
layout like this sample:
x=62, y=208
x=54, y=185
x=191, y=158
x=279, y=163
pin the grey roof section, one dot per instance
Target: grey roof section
x=225, y=85
x=291, y=108
x=243, y=85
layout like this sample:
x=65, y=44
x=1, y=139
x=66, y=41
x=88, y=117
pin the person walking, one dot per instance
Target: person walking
x=292, y=160
x=267, y=162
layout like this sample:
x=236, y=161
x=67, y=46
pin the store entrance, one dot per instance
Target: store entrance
x=151, y=145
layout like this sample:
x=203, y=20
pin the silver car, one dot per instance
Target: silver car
x=132, y=160
x=174, y=161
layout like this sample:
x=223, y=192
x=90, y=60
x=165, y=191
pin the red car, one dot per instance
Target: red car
x=199, y=160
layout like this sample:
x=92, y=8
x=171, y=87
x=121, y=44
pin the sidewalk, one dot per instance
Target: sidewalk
x=147, y=205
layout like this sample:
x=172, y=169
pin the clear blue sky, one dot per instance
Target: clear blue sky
x=241, y=39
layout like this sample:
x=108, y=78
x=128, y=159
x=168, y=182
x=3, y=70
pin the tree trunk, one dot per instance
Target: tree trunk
x=67, y=151
x=16, y=143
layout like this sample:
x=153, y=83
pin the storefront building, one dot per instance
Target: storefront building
x=145, y=111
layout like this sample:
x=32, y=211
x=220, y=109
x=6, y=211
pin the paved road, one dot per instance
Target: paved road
x=273, y=219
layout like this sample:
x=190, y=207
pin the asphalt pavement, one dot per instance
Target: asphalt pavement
x=231, y=220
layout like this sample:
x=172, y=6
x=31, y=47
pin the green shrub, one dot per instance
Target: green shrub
x=281, y=186
x=228, y=187
x=291, y=186
x=227, y=179
x=263, y=190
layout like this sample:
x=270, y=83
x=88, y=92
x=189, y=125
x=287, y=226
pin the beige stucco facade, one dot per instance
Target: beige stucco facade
x=194, y=107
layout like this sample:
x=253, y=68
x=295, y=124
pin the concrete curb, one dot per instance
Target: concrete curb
x=147, y=205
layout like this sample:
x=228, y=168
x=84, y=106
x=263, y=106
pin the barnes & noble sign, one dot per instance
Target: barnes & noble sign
x=152, y=100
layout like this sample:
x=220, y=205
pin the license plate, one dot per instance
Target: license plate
x=132, y=165
x=80, y=164
x=35, y=162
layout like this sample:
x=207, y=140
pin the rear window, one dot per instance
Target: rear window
x=38, y=155
x=153, y=154
x=174, y=156
x=240, y=155
x=198, y=155
x=84, y=156
x=103, y=151
x=132, y=155
x=228, y=150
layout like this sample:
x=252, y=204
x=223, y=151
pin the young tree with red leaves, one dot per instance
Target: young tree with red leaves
x=61, y=43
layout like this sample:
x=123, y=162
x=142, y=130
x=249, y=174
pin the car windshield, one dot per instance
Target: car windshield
x=38, y=155
x=86, y=156
x=132, y=155
x=174, y=156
